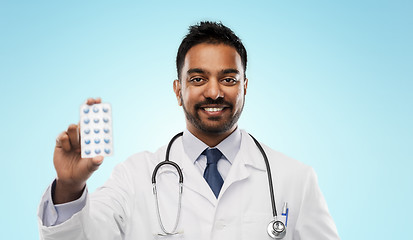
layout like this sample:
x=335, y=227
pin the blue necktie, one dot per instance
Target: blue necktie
x=211, y=173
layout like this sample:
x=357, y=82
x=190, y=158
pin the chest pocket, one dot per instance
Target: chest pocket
x=255, y=227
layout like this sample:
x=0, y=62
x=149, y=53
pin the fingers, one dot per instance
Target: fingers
x=91, y=101
x=73, y=133
x=62, y=141
x=94, y=163
x=69, y=140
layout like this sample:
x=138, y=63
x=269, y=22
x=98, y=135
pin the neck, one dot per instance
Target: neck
x=211, y=139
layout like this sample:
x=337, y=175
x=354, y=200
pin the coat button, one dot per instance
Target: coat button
x=220, y=224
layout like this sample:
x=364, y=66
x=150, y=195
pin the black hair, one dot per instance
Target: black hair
x=213, y=33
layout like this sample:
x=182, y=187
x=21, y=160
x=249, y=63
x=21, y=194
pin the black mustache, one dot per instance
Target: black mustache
x=210, y=101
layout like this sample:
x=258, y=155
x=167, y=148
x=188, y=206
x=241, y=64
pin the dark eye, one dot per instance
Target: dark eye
x=197, y=81
x=229, y=81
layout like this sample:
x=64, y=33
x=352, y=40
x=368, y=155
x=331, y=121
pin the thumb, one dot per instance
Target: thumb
x=94, y=163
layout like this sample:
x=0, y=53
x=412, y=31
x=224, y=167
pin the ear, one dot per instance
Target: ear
x=245, y=86
x=177, y=90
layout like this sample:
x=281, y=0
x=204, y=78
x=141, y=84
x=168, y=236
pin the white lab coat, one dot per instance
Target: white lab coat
x=124, y=207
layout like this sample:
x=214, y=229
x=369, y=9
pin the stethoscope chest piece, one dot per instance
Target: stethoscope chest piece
x=276, y=229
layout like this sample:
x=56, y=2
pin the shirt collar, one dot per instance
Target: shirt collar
x=229, y=147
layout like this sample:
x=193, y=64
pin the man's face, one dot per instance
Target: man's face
x=212, y=89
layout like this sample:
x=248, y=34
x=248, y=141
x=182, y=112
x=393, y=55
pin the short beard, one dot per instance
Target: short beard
x=196, y=120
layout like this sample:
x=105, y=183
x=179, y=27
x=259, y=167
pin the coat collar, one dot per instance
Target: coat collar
x=248, y=159
x=250, y=153
x=193, y=180
x=229, y=147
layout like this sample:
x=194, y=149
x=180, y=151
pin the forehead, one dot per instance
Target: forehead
x=212, y=57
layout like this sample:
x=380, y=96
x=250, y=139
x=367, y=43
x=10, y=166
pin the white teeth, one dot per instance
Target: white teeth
x=213, y=109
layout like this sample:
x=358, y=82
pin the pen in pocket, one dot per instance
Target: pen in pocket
x=285, y=212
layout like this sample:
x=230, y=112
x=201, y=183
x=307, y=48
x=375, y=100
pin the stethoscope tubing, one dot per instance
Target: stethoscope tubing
x=167, y=162
x=267, y=164
x=271, y=230
x=181, y=180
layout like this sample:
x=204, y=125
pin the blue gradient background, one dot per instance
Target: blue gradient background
x=330, y=84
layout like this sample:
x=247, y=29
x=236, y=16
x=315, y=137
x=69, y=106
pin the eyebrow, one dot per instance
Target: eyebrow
x=202, y=71
x=195, y=70
x=230, y=70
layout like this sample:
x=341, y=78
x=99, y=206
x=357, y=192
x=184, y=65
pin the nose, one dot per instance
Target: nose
x=213, y=90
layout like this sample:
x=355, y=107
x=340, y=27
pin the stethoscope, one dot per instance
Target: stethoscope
x=276, y=228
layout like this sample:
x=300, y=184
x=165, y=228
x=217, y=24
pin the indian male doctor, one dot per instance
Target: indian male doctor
x=211, y=88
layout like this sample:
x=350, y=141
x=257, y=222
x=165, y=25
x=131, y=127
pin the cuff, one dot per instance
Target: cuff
x=52, y=214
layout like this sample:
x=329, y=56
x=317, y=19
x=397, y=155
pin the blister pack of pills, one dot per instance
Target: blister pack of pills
x=96, y=130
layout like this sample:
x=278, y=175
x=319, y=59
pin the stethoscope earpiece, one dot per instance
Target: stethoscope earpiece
x=276, y=229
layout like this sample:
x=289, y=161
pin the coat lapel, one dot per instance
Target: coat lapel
x=248, y=159
x=193, y=180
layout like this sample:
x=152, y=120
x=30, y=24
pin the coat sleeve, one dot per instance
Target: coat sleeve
x=104, y=215
x=314, y=221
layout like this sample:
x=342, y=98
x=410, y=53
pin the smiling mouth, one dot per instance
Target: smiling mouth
x=213, y=109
